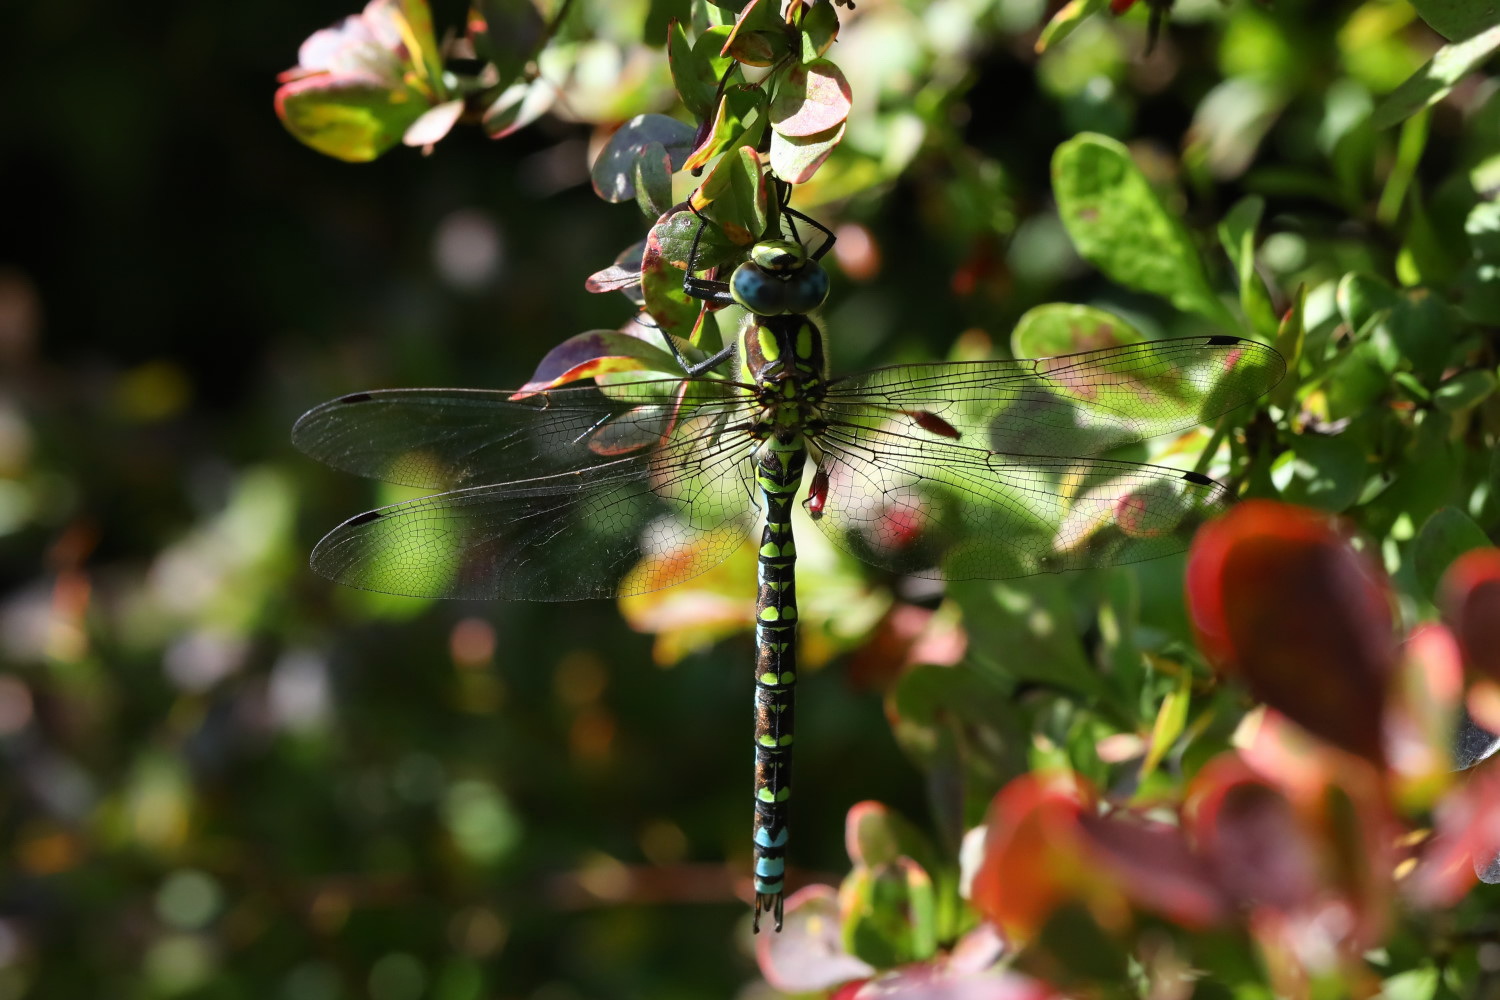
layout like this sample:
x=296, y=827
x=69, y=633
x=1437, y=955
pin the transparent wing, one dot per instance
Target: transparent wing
x=1075, y=405
x=443, y=439
x=943, y=510
x=654, y=489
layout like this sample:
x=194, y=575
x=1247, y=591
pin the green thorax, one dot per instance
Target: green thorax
x=783, y=357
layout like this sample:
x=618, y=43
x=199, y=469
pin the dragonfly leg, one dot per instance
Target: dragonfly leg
x=706, y=365
x=828, y=238
x=713, y=292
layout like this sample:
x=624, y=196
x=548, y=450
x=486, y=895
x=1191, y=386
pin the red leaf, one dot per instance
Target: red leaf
x=1031, y=837
x=1278, y=596
x=1470, y=599
x=1467, y=840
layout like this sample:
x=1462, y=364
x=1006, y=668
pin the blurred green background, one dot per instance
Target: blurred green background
x=225, y=777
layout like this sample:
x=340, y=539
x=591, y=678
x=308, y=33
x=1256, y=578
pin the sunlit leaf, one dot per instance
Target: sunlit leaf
x=594, y=353
x=734, y=196
x=796, y=158
x=1458, y=19
x=1059, y=328
x=1437, y=78
x=1119, y=224
x=347, y=118
x=812, y=98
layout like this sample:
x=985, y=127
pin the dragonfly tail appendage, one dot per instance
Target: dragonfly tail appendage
x=779, y=474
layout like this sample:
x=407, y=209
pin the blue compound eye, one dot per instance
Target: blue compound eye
x=758, y=291
x=806, y=289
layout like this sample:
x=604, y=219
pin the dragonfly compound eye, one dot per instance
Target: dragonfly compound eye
x=758, y=291
x=806, y=289
x=778, y=256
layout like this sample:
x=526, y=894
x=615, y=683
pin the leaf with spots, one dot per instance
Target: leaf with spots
x=1060, y=328
x=661, y=283
x=614, y=171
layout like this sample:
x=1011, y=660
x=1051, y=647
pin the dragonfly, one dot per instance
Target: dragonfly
x=645, y=479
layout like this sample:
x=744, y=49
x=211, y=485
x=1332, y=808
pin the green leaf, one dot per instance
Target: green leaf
x=1423, y=331
x=613, y=173
x=819, y=27
x=674, y=311
x=653, y=181
x=1437, y=78
x=1326, y=472
x=514, y=29
x=676, y=237
x=1446, y=535
x=1464, y=391
x=1120, y=225
x=890, y=913
x=737, y=122
x=796, y=158
x=1171, y=719
x=350, y=119
x=1291, y=335
x=415, y=25
x=1070, y=16
x=1058, y=328
x=1237, y=234
x=965, y=733
x=734, y=196
x=1459, y=19
x=755, y=15
x=758, y=48
x=695, y=69
x=811, y=99
x=1024, y=630
x=1361, y=296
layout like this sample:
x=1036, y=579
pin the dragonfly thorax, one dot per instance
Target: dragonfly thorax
x=779, y=279
x=783, y=357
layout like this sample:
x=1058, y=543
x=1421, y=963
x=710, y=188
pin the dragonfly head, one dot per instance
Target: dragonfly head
x=779, y=278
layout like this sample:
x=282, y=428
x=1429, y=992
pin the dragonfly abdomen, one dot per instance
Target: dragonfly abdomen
x=778, y=472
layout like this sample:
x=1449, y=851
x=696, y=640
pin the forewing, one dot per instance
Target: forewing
x=443, y=439
x=626, y=525
x=1075, y=405
x=943, y=510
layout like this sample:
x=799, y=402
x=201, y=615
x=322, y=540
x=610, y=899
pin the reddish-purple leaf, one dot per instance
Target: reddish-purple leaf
x=811, y=99
x=1470, y=599
x=1251, y=837
x=613, y=172
x=1279, y=597
x=796, y=158
x=594, y=353
x=1153, y=866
